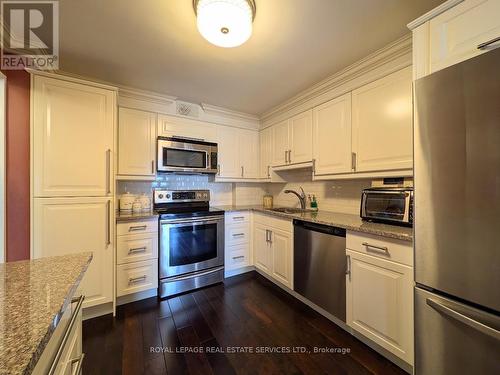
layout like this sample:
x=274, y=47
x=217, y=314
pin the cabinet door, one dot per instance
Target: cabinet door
x=73, y=127
x=265, y=153
x=229, y=153
x=249, y=153
x=455, y=34
x=380, y=302
x=300, y=128
x=280, y=143
x=262, y=249
x=136, y=142
x=382, y=123
x=332, y=136
x=64, y=226
x=170, y=126
x=282, y=256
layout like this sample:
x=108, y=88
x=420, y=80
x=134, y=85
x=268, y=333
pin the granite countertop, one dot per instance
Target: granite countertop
x=33, y=297
x=347, y=221
x=122, y=216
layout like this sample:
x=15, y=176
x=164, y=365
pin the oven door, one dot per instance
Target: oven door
x=186, y=157
x=190, y=245
x=390, y=206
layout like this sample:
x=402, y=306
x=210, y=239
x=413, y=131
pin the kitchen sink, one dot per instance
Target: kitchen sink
x=287, y=210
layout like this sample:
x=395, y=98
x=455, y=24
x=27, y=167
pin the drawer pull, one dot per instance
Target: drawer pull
x=486, y=44
x=383, y=249
x=239, y=257
x=238, y=218
x=72, y=321
x=78, y=368
x=137, y=228
x=238, y=234
x=133, y=280
x=138, y=250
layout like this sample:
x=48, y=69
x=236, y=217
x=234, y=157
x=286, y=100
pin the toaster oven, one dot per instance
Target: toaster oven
x=392, y=205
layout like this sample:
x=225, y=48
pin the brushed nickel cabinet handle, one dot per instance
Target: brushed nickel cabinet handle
x=108, y=171
x=108, y=223
x=238, y=218
x=138, y=250
x=238, y=257
x=137, y=279
x=348, y=266
x=489, y=42
x=238, y=234
x=242, y=171
x=152, y=167
x=383, y=249
x=270, y=236
x=137, y=228
x=218, y=169
x=289, y=156
x=353, y=161
x=268, y=171
x=314, y=166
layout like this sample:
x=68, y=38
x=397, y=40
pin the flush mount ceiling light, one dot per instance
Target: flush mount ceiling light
x=225, y=23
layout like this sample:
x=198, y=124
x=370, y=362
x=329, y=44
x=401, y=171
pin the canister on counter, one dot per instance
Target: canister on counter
x=267, y=201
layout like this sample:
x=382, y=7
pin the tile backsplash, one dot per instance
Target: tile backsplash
x=339, y=196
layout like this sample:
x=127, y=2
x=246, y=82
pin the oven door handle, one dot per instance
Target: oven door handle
x=193, y=220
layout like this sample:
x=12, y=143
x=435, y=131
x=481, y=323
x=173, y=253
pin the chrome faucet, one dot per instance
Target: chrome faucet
x=302, y=197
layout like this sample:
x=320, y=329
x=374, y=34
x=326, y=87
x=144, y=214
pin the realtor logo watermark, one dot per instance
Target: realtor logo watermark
x=30, y=35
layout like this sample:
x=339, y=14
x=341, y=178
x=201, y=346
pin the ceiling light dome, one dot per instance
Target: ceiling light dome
x=225, y=23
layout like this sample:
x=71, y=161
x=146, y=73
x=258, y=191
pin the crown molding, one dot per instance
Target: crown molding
x=220, y=111
x=399, y=51
x=72, y=78
x=433, y=13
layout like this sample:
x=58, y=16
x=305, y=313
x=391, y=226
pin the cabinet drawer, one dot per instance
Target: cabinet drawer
x=237, y=217
x=134, y=227
x=273, y=222
x=237, y=256
x=136, y=277
x=381, y=247
x=237, y=234
x=136, y=247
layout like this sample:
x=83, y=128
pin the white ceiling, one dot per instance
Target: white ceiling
x=154, y=45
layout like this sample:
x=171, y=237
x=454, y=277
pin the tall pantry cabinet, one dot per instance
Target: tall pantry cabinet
x=73, y=158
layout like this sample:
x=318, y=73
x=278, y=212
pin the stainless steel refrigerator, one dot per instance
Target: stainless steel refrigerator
x=457, y=219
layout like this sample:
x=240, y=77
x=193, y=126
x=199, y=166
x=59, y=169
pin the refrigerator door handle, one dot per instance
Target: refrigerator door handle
x=474, y=324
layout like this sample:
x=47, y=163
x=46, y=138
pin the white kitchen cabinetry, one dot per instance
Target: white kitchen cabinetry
x=170, y=126
x=266, y=148
x=74, y=225
x=292, y=140
x=332, y=137
x=465, y=30
x=137, y=257
x=382, y=124
x=73, y=133
x=238, y=153
x=238, y=241
x=380, y=292
x=273, y=248
x=136, y=143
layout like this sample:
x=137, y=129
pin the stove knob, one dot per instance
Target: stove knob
x=168, y=196
x=160, y=196
x=205, y=195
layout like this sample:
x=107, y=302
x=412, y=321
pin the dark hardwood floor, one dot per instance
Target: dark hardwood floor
x=227, y=321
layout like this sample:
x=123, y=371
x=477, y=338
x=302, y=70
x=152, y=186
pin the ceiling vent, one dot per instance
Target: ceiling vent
x=187, y=109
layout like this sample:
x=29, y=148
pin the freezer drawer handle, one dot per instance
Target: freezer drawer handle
x=474, y=324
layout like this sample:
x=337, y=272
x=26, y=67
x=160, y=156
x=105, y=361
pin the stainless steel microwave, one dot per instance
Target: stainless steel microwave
x=183, y=155
x=391, y=205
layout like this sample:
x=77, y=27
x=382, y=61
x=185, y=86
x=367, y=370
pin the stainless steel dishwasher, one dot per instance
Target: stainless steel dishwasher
x=320, y=266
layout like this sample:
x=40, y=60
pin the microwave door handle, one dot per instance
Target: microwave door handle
x=208, y=160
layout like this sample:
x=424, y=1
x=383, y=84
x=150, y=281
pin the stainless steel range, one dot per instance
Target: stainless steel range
x=191, y=241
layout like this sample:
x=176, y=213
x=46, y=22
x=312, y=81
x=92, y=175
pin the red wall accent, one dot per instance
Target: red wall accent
x=17, y=187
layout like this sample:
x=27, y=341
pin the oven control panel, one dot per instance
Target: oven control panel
x=174, y=196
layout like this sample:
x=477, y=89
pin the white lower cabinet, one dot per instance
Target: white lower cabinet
x=63, y=226
x=380, y=301
x=136, y=257
x=273, y=248
x=237, y=241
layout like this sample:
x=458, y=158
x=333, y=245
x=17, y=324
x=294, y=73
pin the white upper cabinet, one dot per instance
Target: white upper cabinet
x=332, y=136
x=465, y=30
x=266, y=152
x=280, y=143
x=170, y=126
x=238, y=153
x=300, y=138
x=73, y=126
x=292, y=140
x=228, y=139
x=136, y=143
x=63, y=226
x=382, y=123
